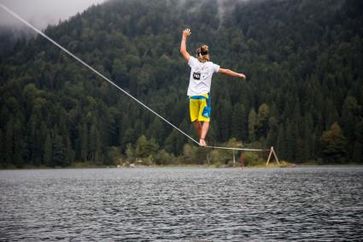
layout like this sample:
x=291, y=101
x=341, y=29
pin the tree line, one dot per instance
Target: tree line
x=303, y=93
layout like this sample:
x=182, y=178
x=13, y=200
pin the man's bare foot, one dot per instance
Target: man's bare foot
x=202, y=142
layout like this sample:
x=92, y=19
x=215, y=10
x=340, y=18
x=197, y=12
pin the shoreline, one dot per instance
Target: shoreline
x=302, y=165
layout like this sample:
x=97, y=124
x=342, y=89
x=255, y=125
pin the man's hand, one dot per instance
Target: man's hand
x=242, y=76
x=186, y=33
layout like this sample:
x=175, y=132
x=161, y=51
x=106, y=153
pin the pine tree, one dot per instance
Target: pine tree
x=262, y=120
x=307, y=137
x=84, y=141
x=2, y=149
x=333, y=144
x=238, y=121
x=156, y=130
x=291, y=140
x=281, y=145
x=94, y=143
x=224, y=119
x=252, y=122
x=272, y=136
x=9, y=143
x=48, y=151
x=58, y=152
x=357, y=155
x=145, y=147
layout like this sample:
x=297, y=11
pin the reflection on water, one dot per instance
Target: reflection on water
x=316, y=203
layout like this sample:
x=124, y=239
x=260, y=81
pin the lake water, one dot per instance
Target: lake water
x=187, y=204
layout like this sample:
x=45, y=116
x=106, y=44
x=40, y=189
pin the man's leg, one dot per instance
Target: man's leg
x=198, y=127
x=203, y=133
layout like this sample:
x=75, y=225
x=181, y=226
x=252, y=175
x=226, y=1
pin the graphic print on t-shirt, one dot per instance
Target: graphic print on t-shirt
x=196, y=75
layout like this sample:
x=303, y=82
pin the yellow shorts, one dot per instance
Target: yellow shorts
x=199, y=108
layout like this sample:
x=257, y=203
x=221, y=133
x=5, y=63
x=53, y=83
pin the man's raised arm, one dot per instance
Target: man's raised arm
x=183, y=44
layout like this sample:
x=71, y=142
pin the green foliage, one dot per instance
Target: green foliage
x=252, y=124
x=189, y=154
x=48, y=151
x=253, y=159
x=303, y=61
x=164, y=158
x=334, y=144
x=145, y=147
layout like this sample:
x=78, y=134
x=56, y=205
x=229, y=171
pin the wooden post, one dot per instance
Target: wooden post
x=234, y=159
x=272, y=153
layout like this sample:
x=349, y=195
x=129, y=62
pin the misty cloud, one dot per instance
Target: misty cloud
x=43, y=12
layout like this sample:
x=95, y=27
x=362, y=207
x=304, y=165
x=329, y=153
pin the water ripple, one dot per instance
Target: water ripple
x=323, y=204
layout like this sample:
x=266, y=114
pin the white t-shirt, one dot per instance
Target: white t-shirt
x=200, y=76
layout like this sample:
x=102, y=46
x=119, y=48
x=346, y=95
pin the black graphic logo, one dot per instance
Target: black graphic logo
x=196, y=75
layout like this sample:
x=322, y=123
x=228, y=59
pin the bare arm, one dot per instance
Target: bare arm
x=228, y=72
x=183, y=44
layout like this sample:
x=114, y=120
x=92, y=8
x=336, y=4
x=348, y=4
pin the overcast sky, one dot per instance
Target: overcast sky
x=43, y=12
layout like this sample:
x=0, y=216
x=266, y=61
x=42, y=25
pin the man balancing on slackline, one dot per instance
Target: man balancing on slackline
x=202, y=70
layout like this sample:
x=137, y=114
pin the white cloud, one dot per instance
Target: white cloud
x=43, y=12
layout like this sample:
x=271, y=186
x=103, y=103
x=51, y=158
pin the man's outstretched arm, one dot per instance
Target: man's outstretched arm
x=231, y=73
x=183, y=44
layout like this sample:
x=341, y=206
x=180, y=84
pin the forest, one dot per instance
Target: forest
x=303, y=93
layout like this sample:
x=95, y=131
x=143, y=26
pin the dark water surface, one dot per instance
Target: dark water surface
x=316, y=203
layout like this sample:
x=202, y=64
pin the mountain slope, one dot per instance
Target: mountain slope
x=303, y=93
